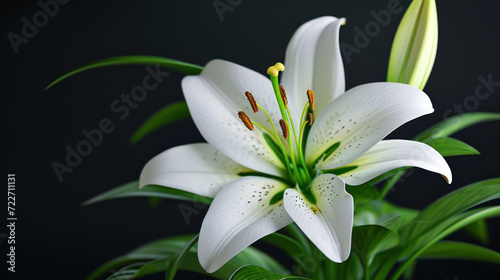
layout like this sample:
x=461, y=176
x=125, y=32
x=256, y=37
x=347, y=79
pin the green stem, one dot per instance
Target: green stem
x=297, y=234
x=390, y=184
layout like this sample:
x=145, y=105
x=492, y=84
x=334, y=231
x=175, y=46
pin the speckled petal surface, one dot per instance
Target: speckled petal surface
x=240, y=214
x=328, y=223
x=360, y=118
x=214, y=99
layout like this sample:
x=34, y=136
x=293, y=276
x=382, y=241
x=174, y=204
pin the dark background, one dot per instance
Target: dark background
x=56, y=238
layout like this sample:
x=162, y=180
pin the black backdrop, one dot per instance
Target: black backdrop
x=56, y=238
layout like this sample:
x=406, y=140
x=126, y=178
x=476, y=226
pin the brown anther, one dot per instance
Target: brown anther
x=245, y=119
x=310, y=119
x=284, y=127
x=310, y=96
x=255, y=108
x=283, y=95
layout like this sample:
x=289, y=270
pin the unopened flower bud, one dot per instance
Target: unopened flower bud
x=415, y=45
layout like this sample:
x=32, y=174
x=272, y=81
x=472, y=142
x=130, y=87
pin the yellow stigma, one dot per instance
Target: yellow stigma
x=273, y=70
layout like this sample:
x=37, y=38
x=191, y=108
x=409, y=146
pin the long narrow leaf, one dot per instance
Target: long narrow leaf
x=456, y=123
x=126, y=273
x=166, y=115
x=131, y=189
x=183, y=67
x=478, y=230
x=287, y=244
x=448, y=146
x=460, y=251
x=368, y=240
x=157, y=256
x=448, y=206
x=179, y=257
x=458, y=222
x=252, y=272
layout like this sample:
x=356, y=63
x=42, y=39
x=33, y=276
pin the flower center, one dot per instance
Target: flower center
x=293, y=157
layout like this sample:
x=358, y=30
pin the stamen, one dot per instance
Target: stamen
x=245, y=119
x=284, y=127
x=310, y=96
x=252, y=101
x=283, y=95
x=310, y=119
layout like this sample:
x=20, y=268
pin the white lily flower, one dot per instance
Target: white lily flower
x=262, y=180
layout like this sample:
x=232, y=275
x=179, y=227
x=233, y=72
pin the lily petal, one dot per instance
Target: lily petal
x=328, y=223
x=196, y=168
x=240, y=214
x=214, y=98
x=390, y=154
x=360, y=118
x=313, y=61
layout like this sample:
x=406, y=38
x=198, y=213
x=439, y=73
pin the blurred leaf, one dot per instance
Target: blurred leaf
x=421, y=244
x=460, y=251
x=456, y=123
x=437, y=221
x=363, y=193
x=157, y=256
x=183, y=67
x=252, y=272
x=126, y=272
x=168, y=114
x=179, y=257
x=131, y=189
x=447, y=147
x=155, y=201
x=478, y=230
x=287, y=244
x=392, y=223
x=435, y=215
x=376, y=212
x=368, y=240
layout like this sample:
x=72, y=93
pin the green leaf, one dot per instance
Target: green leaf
x=179, y=257
x=478, y=230
x=131, y=189
x=378, y=211
x=157, y=256
x=363, y=193
x=460, y=251
x=447, y=147
x=436, y=214
x=456, y=123
x=445, y=128
x=126, y=272
x=452, y=225
x=368, y=240
x=287, y=244
x=150, y=251
x=252, y=272
x=166, y=115
x=183, y=67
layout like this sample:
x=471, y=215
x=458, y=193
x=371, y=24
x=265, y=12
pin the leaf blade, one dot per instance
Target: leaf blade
x=166, y=115
x=460, y=251
x=456, y=123
x=448, y=146
x=252, y=272
x=131, y=189
x=183, y=67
